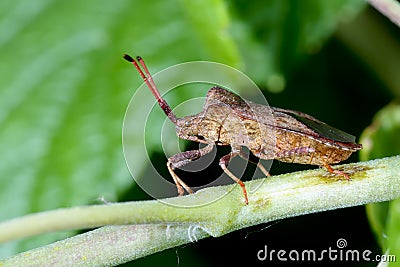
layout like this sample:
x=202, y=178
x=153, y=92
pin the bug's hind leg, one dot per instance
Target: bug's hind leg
x=180, y=160
x=337, y=172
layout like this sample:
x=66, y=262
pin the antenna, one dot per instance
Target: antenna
x=146, y=76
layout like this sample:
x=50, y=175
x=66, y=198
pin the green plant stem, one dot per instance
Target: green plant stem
x=158, y=226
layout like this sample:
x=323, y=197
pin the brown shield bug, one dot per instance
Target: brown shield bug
x=228, y=120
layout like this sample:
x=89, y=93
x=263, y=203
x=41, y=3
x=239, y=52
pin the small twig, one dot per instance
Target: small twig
x=160, y=226
x=389, y=8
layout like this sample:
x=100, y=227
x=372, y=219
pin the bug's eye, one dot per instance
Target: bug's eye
x=200, y=137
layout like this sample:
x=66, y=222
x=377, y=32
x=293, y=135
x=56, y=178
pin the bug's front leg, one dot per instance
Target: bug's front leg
x=180, y=160
x=223, y=162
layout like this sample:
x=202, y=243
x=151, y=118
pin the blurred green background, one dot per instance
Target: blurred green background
x=64, y=89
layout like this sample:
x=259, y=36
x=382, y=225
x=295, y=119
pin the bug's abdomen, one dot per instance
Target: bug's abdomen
x=295, y=147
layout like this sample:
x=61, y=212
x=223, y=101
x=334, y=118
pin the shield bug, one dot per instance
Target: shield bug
x=268, y=132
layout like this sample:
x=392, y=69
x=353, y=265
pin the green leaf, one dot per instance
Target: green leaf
x=381, y=139
x=212, y=25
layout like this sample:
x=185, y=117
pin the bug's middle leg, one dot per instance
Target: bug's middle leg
x=180, y=160
x=223, y=162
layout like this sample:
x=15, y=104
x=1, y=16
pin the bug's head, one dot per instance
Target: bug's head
x=198, y=129
x=188, y=128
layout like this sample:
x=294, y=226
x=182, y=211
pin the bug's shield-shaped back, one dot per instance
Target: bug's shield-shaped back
x=243, y=123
